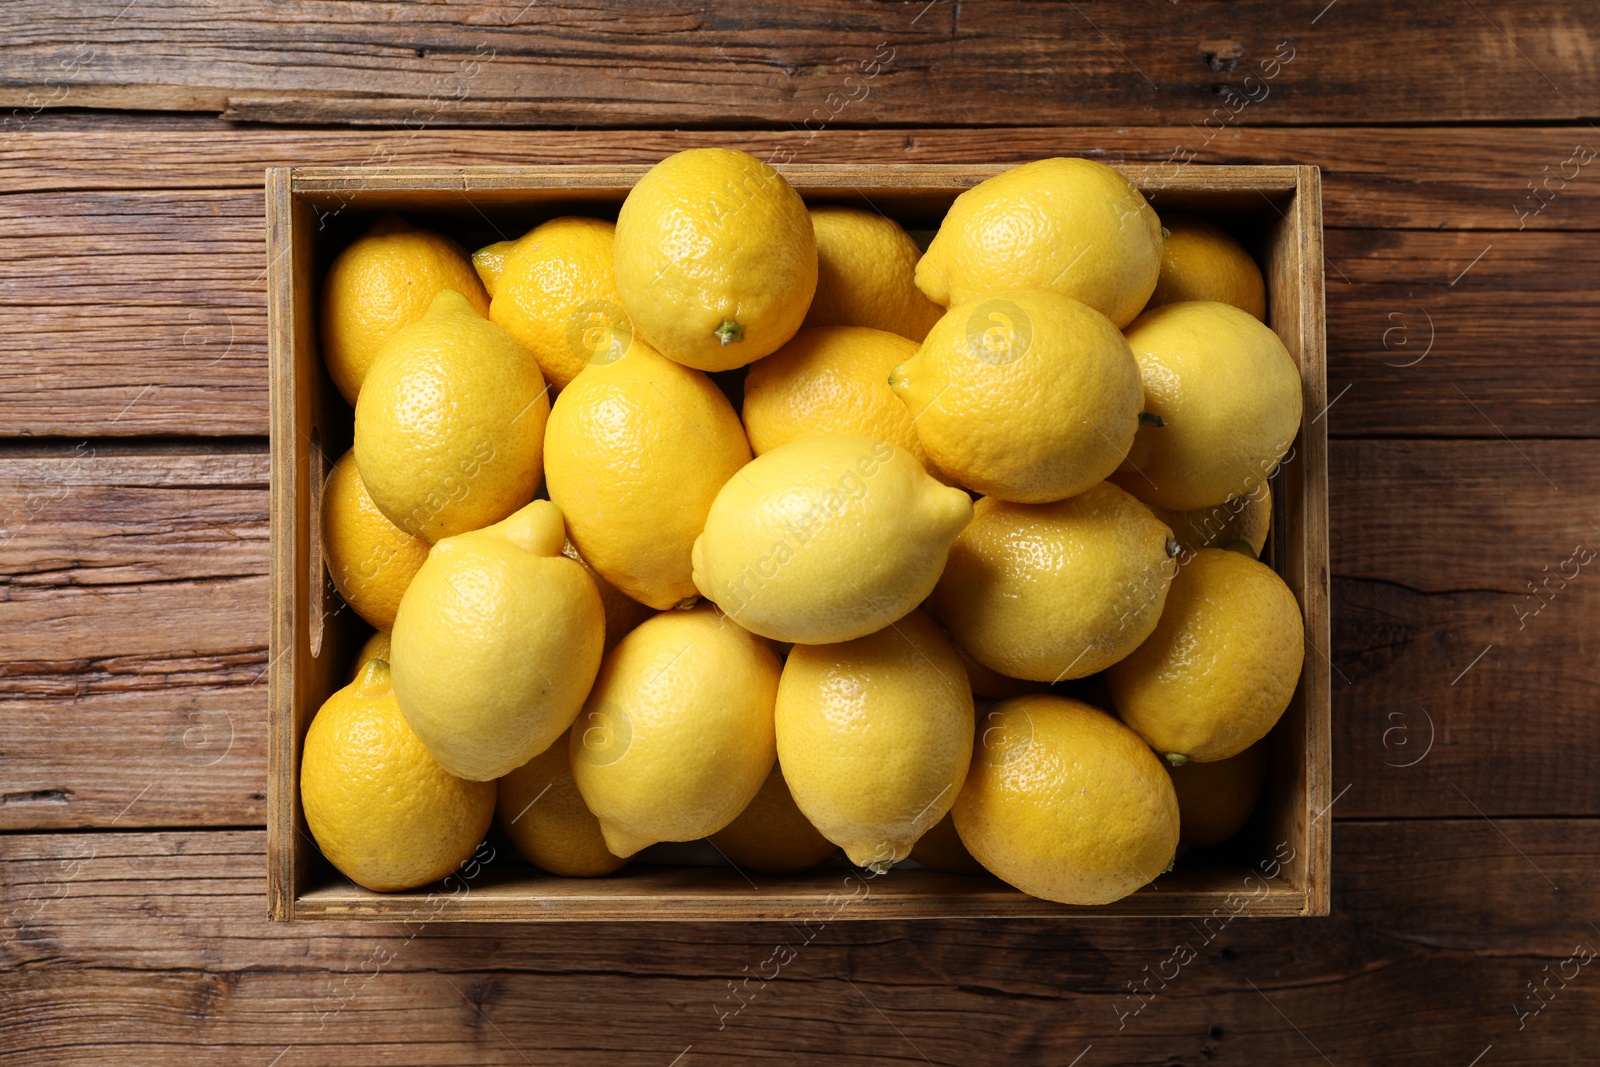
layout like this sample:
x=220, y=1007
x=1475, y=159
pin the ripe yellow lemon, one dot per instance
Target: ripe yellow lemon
x=1215, y=799
x=637, y=449
x=827, y=539
x=1222, y=664
x=381, y=808
x=450, y=423
x=875, y=735
x=940, y=849
x=375, y=647
x=830, y=379
x=489, y=261
x=1065, y=803
x=716, y=260
x=1047, y=592
x=866, y=274
x=1226, y=396
x=1069, y=225
x=556, y=293
x=675, y=740
x=771, y=835
x=383, y=282
x=542, y=812
x=1246, y=518
x=622, y=612
x=1201, y=261
x=496, y=644
x=988, y=684
x=369, y=558
x=1026, y=396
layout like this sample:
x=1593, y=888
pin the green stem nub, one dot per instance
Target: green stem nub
x=729, y=332
x=1177, y=759
x=1150, y=418
x=1174, y=550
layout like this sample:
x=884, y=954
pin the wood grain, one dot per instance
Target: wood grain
x=994, y=64
x=117, y=942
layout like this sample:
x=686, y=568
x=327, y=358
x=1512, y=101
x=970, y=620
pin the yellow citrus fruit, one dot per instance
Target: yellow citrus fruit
x=1222, y=664
x=636, y=451
x=875, y=735
x=827, y=539
x=556, y=293
x=381, y=808
x=489, y=261
x=496, y=644
x=988, y=684
x=940, y=849
x=1226, y=396
x=1201, y=261
x=542, y=812
x=622, y=612
x=1025, y=395
x=1069, y=225
x=1215, y=799
x=1246, y=518
x=383, y=282
x=450, y=424
x=771, y=835
x=715, y=258
x=830, y=379
x=1047, y=592
x=675, y=739
x=1065, y=803
x=375, y=647
x=369, y=558
x=866, y=274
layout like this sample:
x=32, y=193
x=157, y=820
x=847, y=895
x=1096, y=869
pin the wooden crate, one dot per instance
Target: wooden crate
x=1279, y=867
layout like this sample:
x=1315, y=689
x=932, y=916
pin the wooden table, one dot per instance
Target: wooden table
x=1461, y=202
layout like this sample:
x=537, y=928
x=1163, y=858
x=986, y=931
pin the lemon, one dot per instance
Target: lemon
x=380, y=807
x=1025, y=395
x=489, y=261
x=1046, y=592
x=636, y=451
x=1246, y=518
x=675, y=740
x=450, y=424
x=1069, y=225
x=1215, y=799
x=771, y=835
x=830, y=379
x=940, y=849
x=866, y=274
x=496, y=644
x=716, y=260
x=875, y=735
x=827, y=539
x=542, y=812
x=992, y=685
x=375, y=647
x=1222, y=664
x=556, y=293
x=1226, y=394
x=1200, y=261
x=622, y=612
x=369, y=558
x=1065, y=803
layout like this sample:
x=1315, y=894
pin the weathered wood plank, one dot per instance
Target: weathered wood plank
x=125, y=942
x=133, y=628
x=905, y=62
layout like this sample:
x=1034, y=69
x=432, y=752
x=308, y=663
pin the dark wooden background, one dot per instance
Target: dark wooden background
x=1461, y=206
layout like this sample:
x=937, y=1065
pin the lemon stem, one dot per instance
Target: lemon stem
x=1150, y=418
x=880, y=866
x=729, y=332
x=1177, y=759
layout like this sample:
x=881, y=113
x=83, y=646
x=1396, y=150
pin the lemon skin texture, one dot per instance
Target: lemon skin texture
x=826, y=539
x=543, y=813
x=369, y=558
x=1201, y=261
x=1065, y=803
x=1047, y=592
x=496, y=644
x=875, y=736
x=1222, y=664
x=771, y=835
x=381, y=808
x=716, y=261
x=1025, y=395
x=940, y=849
x=866, y=274
x=1215, y=799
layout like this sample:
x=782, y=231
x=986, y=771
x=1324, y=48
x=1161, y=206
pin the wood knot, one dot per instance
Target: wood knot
x=1221, y=55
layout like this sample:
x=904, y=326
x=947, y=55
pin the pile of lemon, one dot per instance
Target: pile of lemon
x=824, y=543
